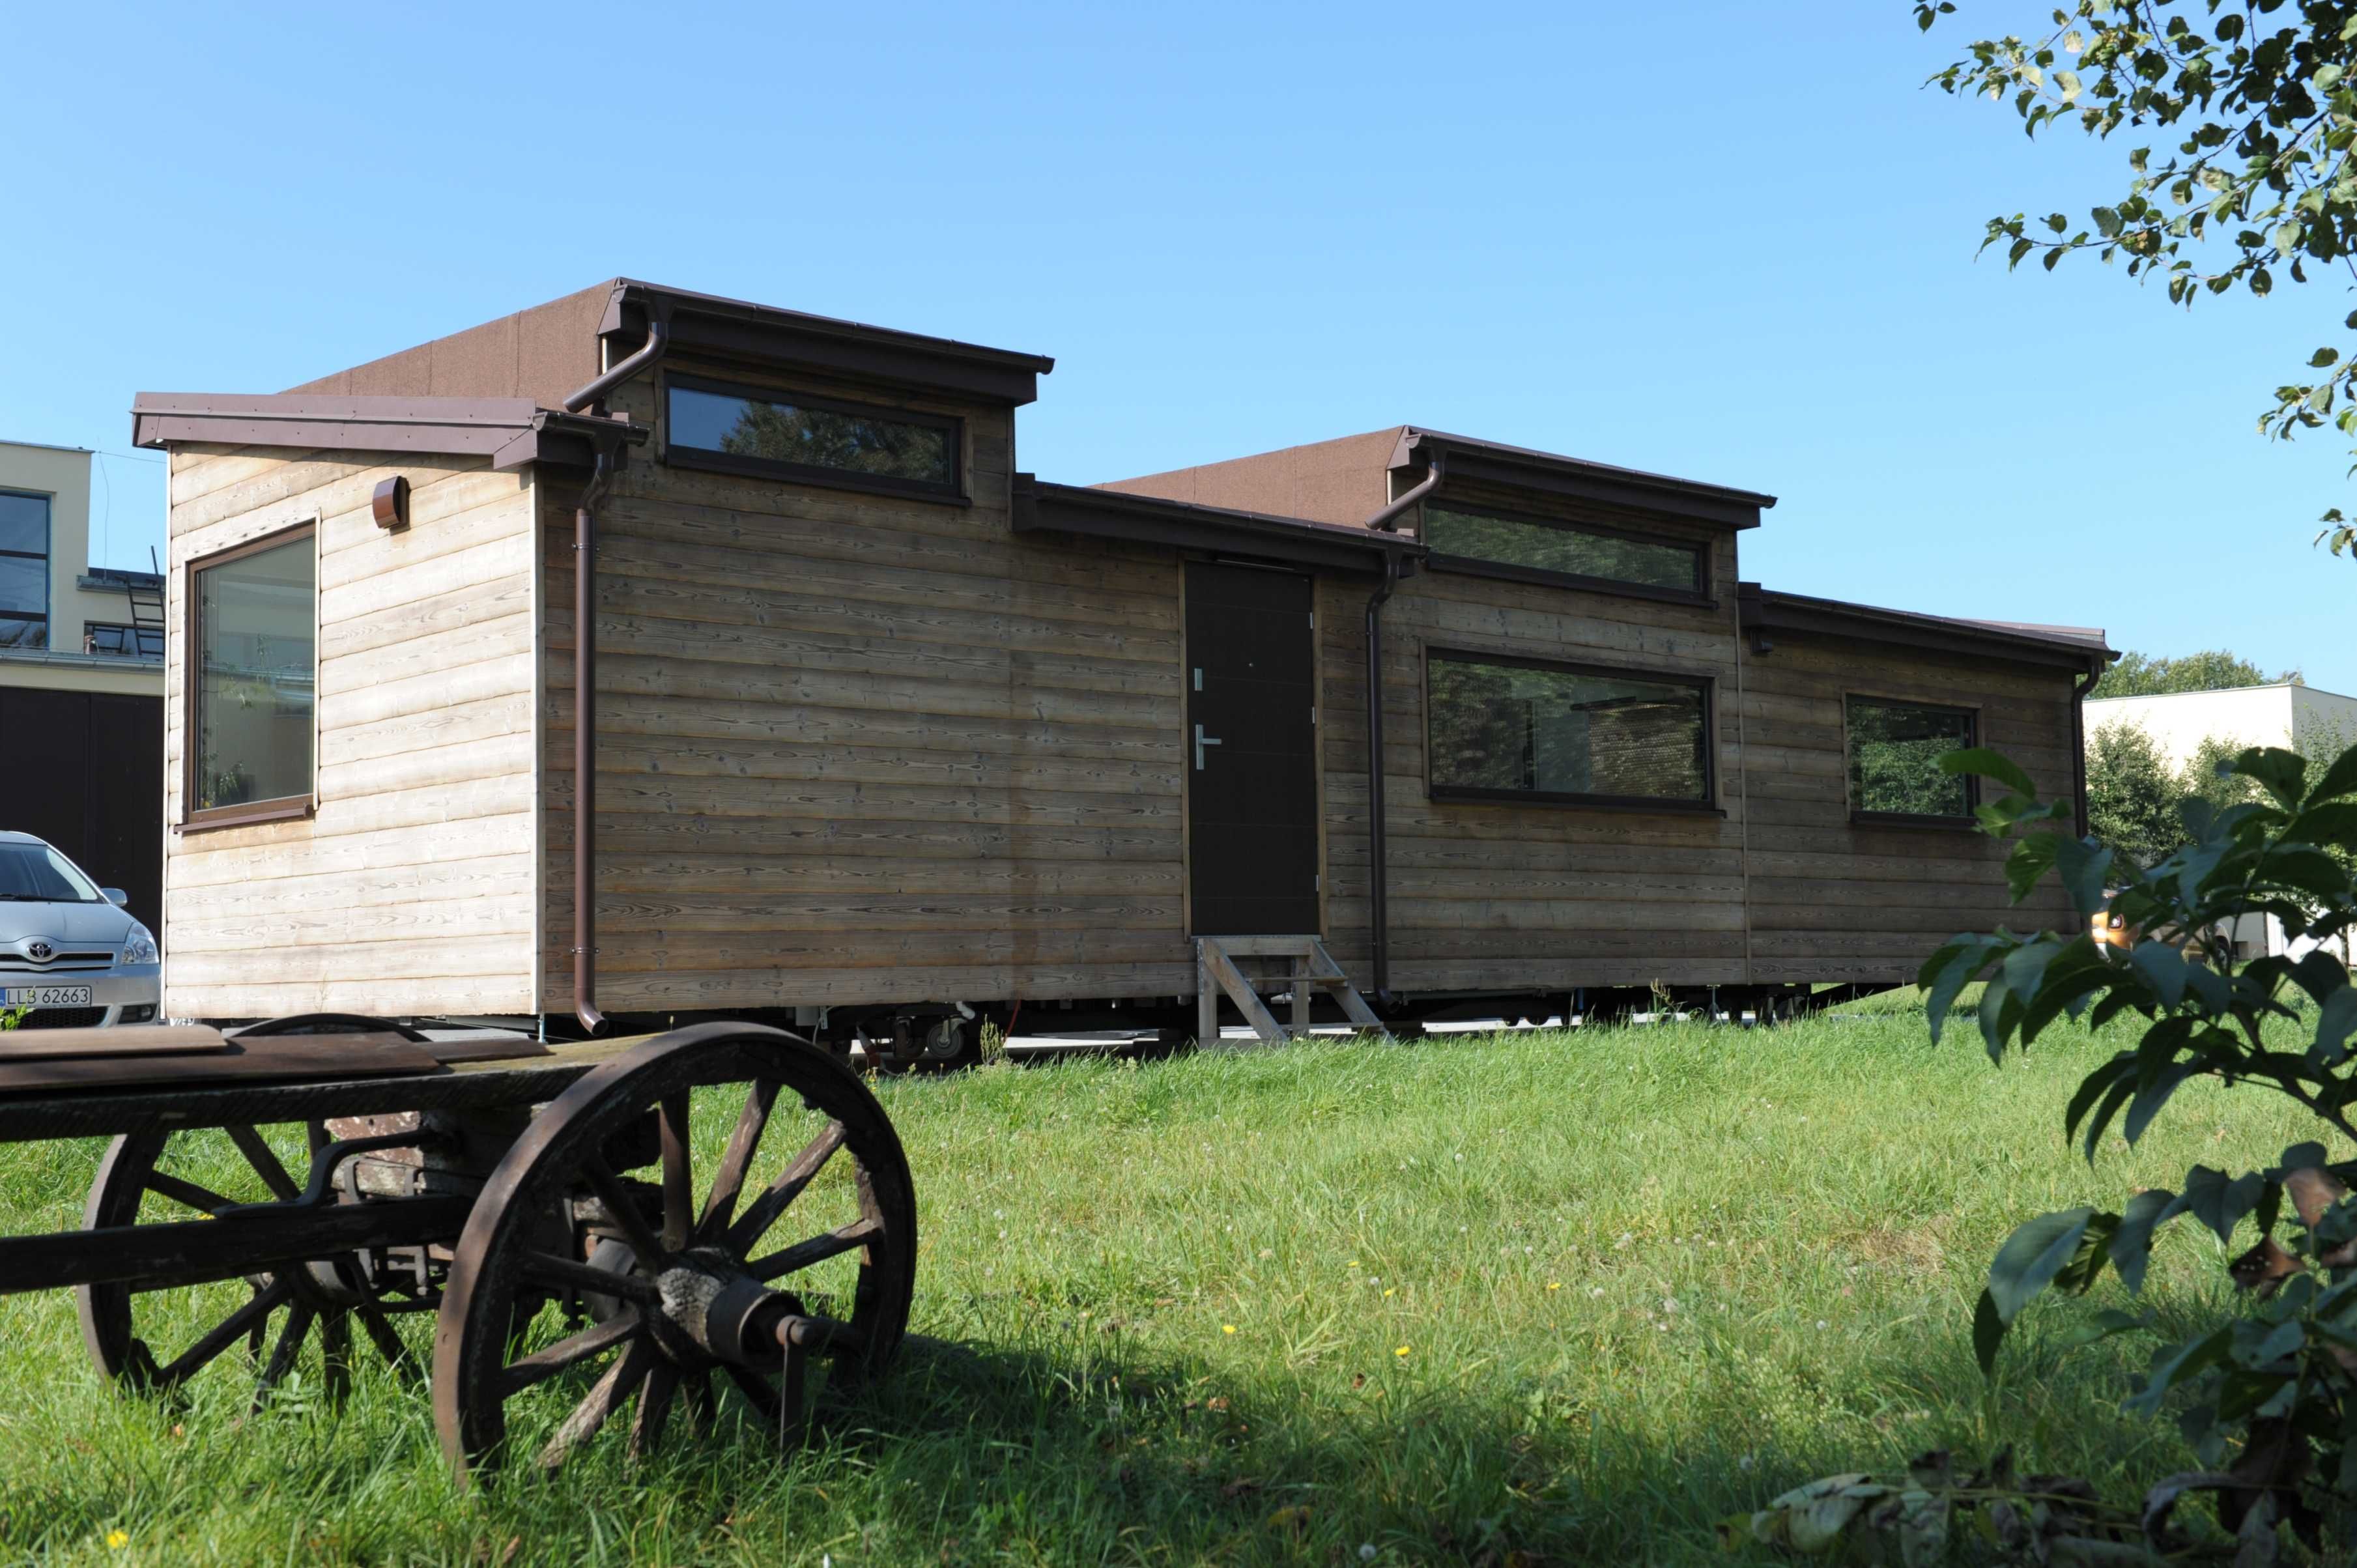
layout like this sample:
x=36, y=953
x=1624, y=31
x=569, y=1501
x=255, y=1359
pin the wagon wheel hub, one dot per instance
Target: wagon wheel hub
x=714, y=1312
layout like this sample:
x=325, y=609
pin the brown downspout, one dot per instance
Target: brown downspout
x=584, y=681
x=2079, y=746
x=1378, y=892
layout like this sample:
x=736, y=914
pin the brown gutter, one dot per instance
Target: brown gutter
x=584, y=682
x=1378, y=891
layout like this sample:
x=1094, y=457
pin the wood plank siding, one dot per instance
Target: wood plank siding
x=858, y=748
x=413, y=886
x=867, y=742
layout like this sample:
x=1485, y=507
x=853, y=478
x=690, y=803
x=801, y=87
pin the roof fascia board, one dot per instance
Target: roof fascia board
x=1110, y=514
x=1763, y=611
x=153, y=430
x=511, y=431
x=743, y=330
x=1571, y=478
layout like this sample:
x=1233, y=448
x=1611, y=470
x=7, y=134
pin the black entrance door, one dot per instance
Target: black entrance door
x=1252, y=735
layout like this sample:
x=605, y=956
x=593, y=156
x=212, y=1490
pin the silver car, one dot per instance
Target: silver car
x=71, y=955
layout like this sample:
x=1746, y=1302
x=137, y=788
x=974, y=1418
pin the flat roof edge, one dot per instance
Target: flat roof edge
x=1767, y=610
x=1472, y=458
x=1042, y=505
x=516, y=430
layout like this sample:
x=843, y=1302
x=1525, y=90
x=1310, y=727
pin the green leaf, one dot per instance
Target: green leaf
x=1988, y=1334
x=2032, y=1256
x=2209, y=986
x=2215, y=1200
x=2151, y=1097
x=2163, y=968
x=2031, y=858
x=2305, y=870
x=2338, y=780
x=2132, y=1243
x=2332, y=823
x=1988, y=764
x=2283, y=774
x=2116, y=1096
x=2091, y=1089
x=2078, y=1276
x=2174, y=1365
x=2336, y=1020
x=1996, y=999
x=1948, y=971
x=2084, y=865
x=2107, y=221
x=2284, y=1340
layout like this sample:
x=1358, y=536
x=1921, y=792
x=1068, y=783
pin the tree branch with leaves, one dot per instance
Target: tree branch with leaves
x=2254, y=102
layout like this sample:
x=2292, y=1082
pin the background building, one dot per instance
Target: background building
x=81, y=681
x=2287, y=713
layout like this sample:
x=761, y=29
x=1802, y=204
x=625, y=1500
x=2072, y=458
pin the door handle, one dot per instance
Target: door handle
x=1202, y=740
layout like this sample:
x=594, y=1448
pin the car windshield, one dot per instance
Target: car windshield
x=36, y=874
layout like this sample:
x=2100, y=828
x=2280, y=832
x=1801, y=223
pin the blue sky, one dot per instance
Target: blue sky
x=1734, y=242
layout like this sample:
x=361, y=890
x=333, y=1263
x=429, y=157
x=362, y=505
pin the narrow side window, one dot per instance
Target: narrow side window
x=253, y=644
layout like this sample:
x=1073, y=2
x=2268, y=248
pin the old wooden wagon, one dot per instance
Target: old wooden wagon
x=871, y=731
x=686, y=1220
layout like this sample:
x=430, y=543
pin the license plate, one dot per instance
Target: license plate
x=45, y=996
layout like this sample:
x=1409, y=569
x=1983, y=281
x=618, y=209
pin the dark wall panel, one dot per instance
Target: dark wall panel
x=86, y=772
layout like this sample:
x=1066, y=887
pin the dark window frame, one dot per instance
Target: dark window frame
x=1861, y=817
x=678, y=454
x=1705, y=805
x=135, y=631
x=49, y=548
x=280, y=807
x=1704, y=595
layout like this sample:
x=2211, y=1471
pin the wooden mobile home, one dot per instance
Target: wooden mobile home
x=888, y=733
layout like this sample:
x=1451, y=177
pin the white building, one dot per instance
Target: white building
x=2288, y=714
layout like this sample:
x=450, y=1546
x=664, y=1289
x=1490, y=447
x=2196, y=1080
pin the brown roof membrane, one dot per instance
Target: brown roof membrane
x=546, y=351
x=1345, y=481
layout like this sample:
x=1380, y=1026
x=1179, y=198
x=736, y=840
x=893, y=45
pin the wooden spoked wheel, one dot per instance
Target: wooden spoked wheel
x=774, y=1221
x=156, y=1338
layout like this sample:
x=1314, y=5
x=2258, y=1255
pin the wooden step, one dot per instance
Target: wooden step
x=1216, y=971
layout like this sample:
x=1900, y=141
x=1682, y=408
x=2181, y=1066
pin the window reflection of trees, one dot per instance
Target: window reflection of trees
x=1894, y=758
x=1550, y=547
x=1561, y=732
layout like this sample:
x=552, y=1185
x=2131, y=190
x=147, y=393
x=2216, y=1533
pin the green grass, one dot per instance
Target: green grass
x=1572, y=1296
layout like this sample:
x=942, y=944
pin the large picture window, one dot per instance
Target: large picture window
x=746, y=431
x=253, y=638
x=24, y=570
x=1508, y=729
x=1532, y=547
x=1894, y=761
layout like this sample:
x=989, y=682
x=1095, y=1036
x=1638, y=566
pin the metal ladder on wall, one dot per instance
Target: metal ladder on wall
x=146, y=615
x=1310, y=969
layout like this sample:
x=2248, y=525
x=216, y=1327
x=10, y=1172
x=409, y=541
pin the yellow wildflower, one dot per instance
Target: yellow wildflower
x=117, y=1539
x=1554, y=1285
x=1401, y=1351
x=1227, y=1329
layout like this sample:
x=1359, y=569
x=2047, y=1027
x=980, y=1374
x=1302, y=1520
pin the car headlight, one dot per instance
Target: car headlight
x=139, y=947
